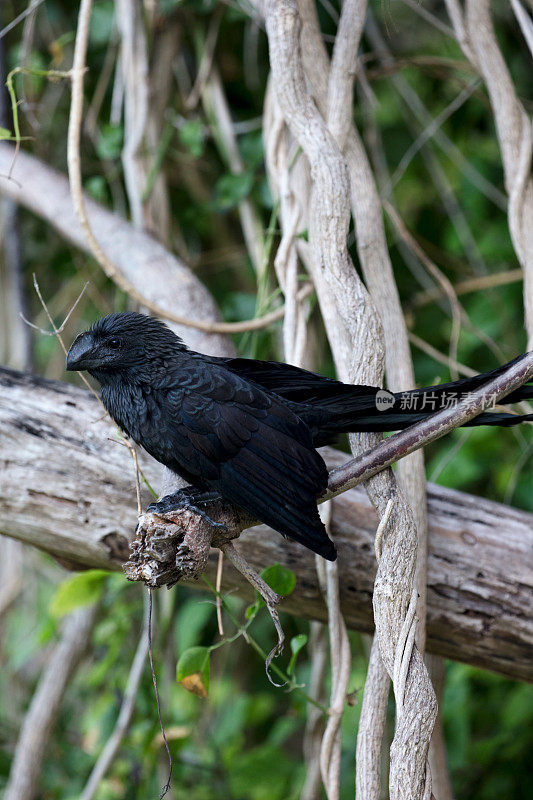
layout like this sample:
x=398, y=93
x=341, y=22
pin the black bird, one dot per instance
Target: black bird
x=243, y=429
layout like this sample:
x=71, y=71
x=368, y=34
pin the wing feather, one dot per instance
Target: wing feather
x=232, y=436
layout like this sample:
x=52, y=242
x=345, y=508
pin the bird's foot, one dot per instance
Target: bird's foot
x=188, y=499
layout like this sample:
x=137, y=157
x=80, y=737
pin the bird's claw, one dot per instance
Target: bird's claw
x=206, y=517
x=181, y=502
x=171, y=502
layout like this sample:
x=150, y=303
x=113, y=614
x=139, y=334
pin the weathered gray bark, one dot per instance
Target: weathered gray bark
x=355, y=336
x=67, y=489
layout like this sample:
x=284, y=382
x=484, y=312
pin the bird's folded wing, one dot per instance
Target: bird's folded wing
x=254, y=450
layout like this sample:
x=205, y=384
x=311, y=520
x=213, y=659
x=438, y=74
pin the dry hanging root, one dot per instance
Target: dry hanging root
x=175, y=546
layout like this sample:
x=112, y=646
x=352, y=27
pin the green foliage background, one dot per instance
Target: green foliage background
x=245, y=741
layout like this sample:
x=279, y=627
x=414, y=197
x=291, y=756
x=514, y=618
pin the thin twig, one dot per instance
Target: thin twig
x=206, y=62
x=133, y=453
x=404, y=648
x=384, y=521
x=166, y=787
x=423, y=117
x=57, y=332
x=429, y=17
x=269, y=596
x=451, y=454
x=32, y=7
x=470, y=285
x=243, y=630
x=218, y=585
x=438, y=63
x=61, y=328
x=340, y=658
x=457, y=311
x=442, y=358
x=139, y=474
x=524, y=20
x=429, y=131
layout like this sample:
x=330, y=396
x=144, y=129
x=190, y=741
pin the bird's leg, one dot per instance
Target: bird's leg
x=269, y=596
x=189, y=498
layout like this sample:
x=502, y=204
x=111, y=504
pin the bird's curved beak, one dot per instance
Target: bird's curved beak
x=80, y=354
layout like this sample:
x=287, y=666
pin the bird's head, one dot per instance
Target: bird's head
x=123, y=342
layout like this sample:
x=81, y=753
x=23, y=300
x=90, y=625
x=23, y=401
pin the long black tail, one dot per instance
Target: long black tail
x=330, y=407
x=370, y=409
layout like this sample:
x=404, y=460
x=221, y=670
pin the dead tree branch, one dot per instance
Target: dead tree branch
x=401, y=444
x=71, y=492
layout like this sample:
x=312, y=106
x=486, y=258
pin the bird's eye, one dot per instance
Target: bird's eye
x=114, y=344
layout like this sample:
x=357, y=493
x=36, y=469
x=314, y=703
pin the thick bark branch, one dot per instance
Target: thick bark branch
x=433, y=427
x=70, y=491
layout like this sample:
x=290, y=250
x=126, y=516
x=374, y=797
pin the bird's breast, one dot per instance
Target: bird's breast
x=133, y=407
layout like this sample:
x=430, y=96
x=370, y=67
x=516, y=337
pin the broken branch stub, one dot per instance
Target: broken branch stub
x=175, y=546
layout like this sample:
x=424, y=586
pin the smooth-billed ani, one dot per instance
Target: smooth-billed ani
x=245, y=429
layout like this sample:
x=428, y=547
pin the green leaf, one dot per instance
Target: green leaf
x=260, y=773
x=109, y=142
x=297, y=643
x=231, y=189
x=5, y=133
x=251, y=147
x=192, y=671
x=251, y=611
x=264, y=194
x=191, y=620
x=101, y=26
x=191, y=135
x=96, y=186
x=48, y=631
x=280, y=579
x=80, y=590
